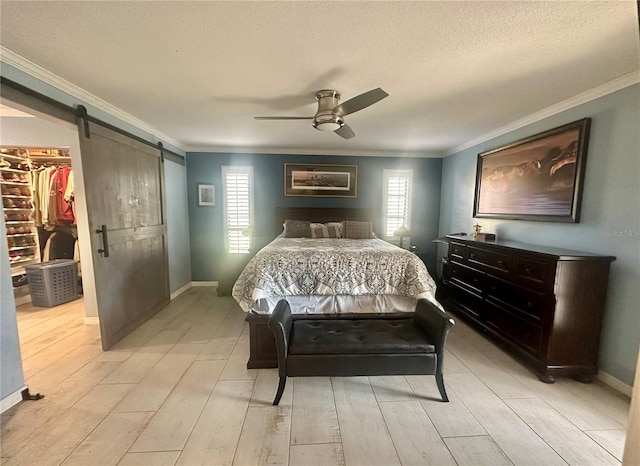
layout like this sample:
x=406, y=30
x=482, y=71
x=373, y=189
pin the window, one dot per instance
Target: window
x=397, y=201
x=237, y=188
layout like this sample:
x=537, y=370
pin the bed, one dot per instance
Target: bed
x=327, y=276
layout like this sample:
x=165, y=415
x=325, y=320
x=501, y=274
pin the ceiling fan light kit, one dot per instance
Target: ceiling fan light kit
x=330, y=113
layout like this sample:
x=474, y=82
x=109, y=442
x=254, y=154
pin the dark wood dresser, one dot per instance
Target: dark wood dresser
x=545, y=304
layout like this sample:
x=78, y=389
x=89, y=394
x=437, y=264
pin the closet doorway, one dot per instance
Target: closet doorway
x=35, y=145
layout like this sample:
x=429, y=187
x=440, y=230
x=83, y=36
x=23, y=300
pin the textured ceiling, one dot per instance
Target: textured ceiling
x=199, y=71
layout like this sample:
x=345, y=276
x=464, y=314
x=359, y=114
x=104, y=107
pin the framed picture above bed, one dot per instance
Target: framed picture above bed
x=539, y=178
x=317, y=180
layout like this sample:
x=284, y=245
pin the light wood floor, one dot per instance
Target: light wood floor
x=177, y=392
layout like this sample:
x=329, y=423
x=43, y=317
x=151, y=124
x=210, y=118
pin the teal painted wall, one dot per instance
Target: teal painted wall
x=610, y=218
x=175, y=176
x=11, y=377
x=206, y=223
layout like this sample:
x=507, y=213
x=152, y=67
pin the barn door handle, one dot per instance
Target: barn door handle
x=105, y=244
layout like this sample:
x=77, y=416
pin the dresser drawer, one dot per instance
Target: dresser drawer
x=466, y=302
x=457, y=251
x=533, y=271
x=524, y=334
x=467, y=277
x=528, y=303
x=494, y=260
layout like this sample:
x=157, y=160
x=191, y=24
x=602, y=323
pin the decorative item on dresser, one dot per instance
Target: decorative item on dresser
x=545, y=304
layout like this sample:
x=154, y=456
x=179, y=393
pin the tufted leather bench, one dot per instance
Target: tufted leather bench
x=340, y=345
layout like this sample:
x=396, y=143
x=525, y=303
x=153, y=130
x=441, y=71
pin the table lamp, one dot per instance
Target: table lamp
x=401, y=232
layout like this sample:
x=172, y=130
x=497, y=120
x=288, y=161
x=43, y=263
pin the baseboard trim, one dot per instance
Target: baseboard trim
x=177, y=293
x=20, y=300
x=11, y=400
x=204, y=283
x=614, y=383
x=93, y=320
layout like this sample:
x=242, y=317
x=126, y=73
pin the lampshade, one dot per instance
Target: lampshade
x=248, y=231
x=401, y=231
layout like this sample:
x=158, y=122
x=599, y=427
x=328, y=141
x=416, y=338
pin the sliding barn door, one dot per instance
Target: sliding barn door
x=124, y=183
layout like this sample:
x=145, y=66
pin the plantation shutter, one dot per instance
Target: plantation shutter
x=397, y=200
x=238, y=213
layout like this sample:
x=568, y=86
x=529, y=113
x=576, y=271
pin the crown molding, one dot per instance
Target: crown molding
x=612, y=86
x=289, y=151
x=19, y=62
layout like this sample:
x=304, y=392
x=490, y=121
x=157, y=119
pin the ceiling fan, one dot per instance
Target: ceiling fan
x=331, y=113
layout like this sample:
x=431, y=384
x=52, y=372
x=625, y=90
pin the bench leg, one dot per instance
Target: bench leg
x=440, y=383
x=281, y=384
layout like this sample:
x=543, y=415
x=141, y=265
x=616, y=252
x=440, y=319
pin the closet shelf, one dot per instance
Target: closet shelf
x=13, y=196
x=13, y=170
x=15, y=183
x=21, y=261
x=52, y=158
x=19, y=222
x=14, y=209
x=27, y=152
x=17, y=248
x=13, y=157
x=21, y=234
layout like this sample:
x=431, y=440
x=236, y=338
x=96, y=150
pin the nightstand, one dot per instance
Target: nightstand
x=421, y=254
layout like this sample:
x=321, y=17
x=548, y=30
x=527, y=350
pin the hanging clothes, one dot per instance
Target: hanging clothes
x=35, y=196
x=60, y=245
x=63, y=210
x=69, y=195
x=44, y=191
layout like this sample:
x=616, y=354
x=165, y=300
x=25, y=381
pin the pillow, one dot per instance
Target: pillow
x=297, y=229
x=357, y=230
x=325, y=230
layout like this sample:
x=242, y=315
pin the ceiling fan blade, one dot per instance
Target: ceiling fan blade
x=345, y=132
x=282, y=118
x=360, y=101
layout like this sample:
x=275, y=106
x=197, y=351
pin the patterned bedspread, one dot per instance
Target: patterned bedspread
x=302, y=266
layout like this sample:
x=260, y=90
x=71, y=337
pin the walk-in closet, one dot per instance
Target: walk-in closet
x=41, y=232
x=39, y=211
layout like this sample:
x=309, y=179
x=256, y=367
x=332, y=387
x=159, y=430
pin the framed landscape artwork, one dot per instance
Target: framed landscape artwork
x=538, y=178
x=320, y=180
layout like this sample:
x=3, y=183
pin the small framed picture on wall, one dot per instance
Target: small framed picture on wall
x=206, y=195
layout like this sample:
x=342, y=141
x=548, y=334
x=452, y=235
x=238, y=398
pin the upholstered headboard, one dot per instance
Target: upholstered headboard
x=322, y=215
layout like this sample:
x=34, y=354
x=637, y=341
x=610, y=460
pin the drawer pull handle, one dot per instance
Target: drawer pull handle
x=529, y=304
x=529, y=270
x=501, y=263
x=472, y=255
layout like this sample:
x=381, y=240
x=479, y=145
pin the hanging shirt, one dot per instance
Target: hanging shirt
x=69, y=194
x=35, y=196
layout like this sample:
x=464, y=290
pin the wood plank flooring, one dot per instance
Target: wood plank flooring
x=177, y=392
